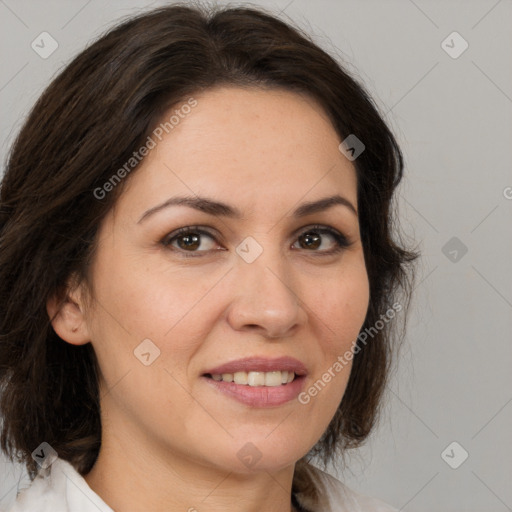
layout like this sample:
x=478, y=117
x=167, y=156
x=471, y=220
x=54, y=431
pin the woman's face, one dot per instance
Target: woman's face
x=261, y=286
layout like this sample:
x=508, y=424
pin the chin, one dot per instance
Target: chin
x=267, y=451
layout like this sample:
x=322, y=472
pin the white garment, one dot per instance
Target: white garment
x=63, y=489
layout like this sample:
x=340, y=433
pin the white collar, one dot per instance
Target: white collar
x=59, y=489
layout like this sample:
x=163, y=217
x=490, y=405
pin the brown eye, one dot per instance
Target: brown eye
x=312, y=239
x=188, y=239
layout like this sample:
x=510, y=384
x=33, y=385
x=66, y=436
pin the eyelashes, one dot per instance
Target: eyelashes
x=313, y=236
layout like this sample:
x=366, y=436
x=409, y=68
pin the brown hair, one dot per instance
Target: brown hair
x=86, y=124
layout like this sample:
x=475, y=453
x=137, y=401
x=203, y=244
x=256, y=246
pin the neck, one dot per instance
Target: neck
x=128, y=476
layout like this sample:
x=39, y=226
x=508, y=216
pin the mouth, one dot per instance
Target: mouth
x=255, y=378
x=258, y=381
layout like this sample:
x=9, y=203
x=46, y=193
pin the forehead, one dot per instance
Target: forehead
x=243, y=145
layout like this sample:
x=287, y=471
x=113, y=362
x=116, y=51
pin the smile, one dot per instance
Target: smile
x=254, y=378
x=256, y=394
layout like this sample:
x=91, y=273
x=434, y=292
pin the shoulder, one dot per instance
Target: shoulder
x=39, y=495
x=60, y=488
x=334, y=496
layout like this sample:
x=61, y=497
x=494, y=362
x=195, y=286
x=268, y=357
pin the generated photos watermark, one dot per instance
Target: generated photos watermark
x=151, y=142
x=344, y=359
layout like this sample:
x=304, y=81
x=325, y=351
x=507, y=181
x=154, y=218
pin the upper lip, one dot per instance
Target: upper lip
x=260, y=364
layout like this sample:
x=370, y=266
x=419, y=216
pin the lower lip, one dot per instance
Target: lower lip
x=260, y=396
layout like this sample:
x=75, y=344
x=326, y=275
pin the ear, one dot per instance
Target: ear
x=67, y=316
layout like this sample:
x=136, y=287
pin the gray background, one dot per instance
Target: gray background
x=453, y=117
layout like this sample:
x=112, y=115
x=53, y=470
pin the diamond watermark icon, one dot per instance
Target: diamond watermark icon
x=146, y=352
x=454, y=249
x=249, y=455
x=44, y=45
x=454, y=45
x=454, y=455
x=249, y=249
x=351, y=147
x=44, y=455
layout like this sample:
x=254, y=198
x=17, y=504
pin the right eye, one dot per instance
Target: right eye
x=189, y=239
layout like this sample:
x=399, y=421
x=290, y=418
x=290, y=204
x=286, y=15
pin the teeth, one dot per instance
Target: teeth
x=269, y=379
x=240, y=377
x=273, y=379
x=256, y=379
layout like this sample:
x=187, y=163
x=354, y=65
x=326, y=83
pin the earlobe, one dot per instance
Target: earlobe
x=67, y=319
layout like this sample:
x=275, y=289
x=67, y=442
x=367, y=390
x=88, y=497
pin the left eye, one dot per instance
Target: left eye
x=312, y=238
x=189, y=239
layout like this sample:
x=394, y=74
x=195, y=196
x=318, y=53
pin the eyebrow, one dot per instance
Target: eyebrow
x=218, y=208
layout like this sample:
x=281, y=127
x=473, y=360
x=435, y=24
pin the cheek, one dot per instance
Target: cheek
x=171, y=308
x=147, y=299
x=342, y=305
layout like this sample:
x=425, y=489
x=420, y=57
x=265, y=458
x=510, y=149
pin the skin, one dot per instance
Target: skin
x=169, y=440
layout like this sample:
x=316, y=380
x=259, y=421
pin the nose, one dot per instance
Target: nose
x=266, y=297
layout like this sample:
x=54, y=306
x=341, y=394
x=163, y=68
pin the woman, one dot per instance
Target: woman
x=199, y=277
